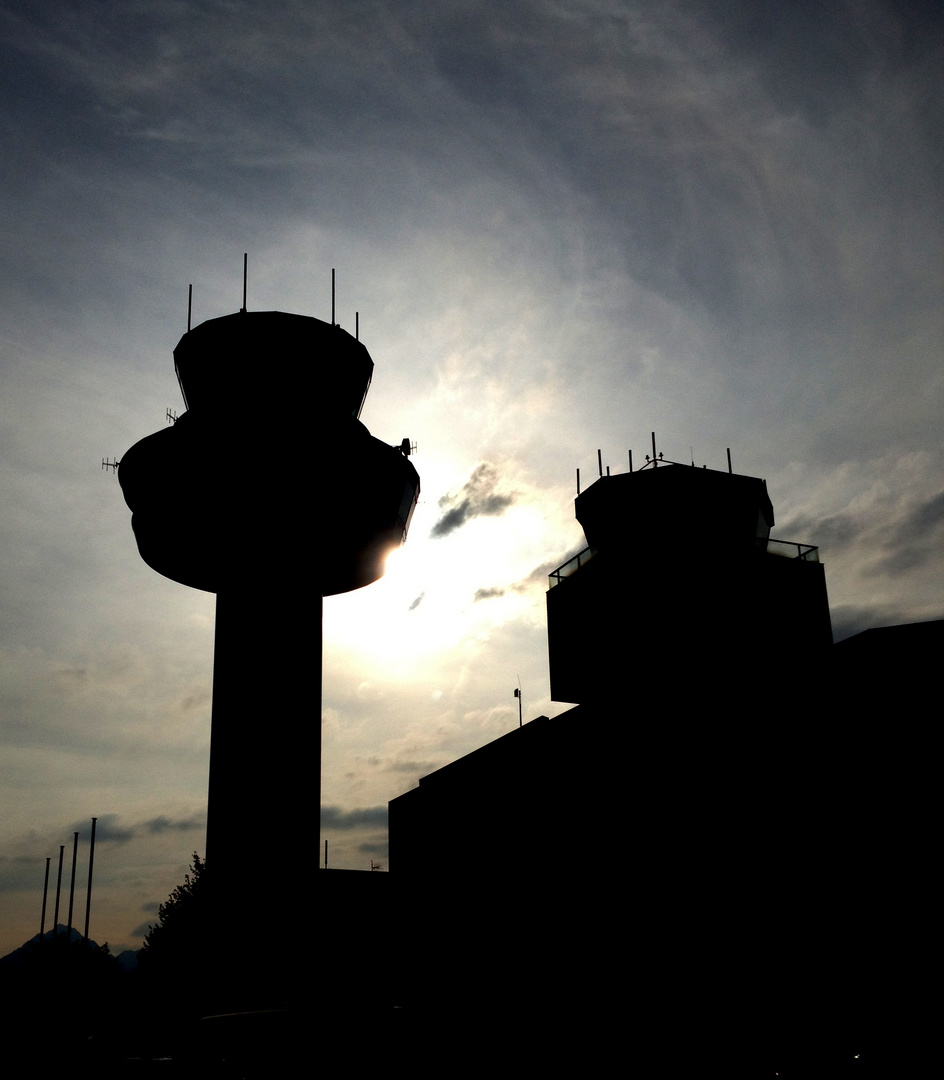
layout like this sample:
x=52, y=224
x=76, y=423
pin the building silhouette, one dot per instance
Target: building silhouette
x=693, y=863
x=680, y=560
x=241, y=502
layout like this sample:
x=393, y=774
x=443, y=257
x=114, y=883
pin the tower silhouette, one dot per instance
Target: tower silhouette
x=272, y=506
x=681, y=562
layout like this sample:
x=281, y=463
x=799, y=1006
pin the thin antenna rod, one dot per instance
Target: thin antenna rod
x=55, y=918
x=245, y=277
x=42, y=921
x=654, y=462
x=88, y=897
x=332, y=295
x=630, y=461
x=189, y=305
x=600, y=461
x=729, y=460
x=578, y=481
x=75, y=853
x=357, y=326
x=518, y=696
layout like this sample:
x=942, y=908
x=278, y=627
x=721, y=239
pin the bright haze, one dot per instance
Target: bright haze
x=564, y=225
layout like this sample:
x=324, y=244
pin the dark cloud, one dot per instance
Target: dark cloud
x=538, y=576
x=892, y=537
x=488, y=594
x=477, y=498
x=831, y=534
x=108, y=827
x=915, y=540
x=163, y=824
x=416, y=768
x=373, y=849
x=333, y=817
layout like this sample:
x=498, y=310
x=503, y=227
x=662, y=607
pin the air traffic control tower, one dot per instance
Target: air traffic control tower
x=681, y=582
x=271, y=493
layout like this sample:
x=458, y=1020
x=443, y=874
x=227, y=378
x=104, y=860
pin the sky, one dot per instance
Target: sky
x=564, y=224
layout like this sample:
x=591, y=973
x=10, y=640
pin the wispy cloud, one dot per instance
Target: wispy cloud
x=110, y=829
x=478, y=497
x=333, y=817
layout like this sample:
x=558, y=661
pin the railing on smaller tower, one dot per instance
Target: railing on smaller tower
x=571, y=566
x=781, y=548
x=788, y=549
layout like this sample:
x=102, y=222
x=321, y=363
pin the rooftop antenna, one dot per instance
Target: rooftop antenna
x=630, y=461
x=332, y=295
x=190, y=304
x=655, y=464
x=171, y=416
x=245, y=277
x=578, y=481
x=600, y=461
x=729, y=460
x=518, y=696
x=691, y=450
x=357, y=326
x=106, y=464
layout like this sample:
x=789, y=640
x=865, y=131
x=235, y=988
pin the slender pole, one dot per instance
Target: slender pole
x=630, y=461
x=654, y=462
x=357, y=326
x=75, y=852
x=189, y=305
x=42, y=921
x=729, y=460
x=600, y=461
x=55, y=918
x=578, y=481
x=332, y=296
x=88, y=898
x=245, y=277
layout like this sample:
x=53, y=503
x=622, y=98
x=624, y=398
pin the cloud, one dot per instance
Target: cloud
x=477, y=498
x=488, y=594
x=163, y=824
x=915, y=539
x=333, y=817
x=109, y=828
x=416, y=603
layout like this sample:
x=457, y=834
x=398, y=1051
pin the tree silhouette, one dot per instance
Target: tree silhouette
x=176, y=947
x=180, y=917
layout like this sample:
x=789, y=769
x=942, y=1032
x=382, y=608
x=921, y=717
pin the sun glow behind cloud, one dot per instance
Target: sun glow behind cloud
x=440, y=594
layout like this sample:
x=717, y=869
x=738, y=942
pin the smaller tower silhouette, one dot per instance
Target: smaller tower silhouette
x=680, y=580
